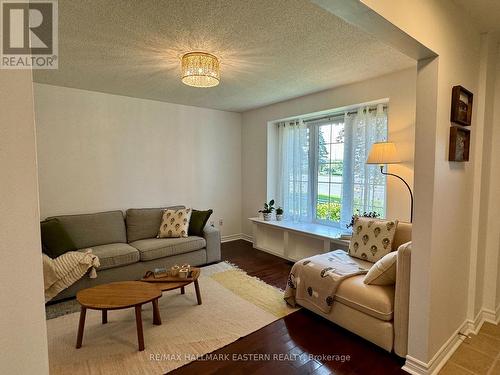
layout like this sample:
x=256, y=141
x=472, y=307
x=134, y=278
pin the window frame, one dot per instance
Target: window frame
x=314, y=126
x=314, y=164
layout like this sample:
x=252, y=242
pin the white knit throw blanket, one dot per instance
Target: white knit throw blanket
x=65, y=270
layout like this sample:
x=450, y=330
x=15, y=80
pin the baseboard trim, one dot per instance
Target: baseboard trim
x=470, y=326
x=490, y=316
x=473, y=326
x=416, y=367
x=230, y=237
x=247, y=237
x=238, y=236
x=484, y=315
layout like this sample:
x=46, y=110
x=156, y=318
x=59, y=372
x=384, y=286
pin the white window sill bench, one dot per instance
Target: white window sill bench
x=295, y=241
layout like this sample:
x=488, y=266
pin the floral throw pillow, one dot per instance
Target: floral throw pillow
x=175, y=223
x=372, y=238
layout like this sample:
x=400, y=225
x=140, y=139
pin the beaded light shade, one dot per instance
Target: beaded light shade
x=200, y=69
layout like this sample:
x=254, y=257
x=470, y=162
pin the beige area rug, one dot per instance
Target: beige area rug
x=234, y=305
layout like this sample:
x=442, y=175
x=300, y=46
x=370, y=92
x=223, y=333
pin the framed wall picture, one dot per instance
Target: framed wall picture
x=461, y=106
x=459, y=144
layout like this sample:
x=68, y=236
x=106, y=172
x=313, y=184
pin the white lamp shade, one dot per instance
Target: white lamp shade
x=383, y=153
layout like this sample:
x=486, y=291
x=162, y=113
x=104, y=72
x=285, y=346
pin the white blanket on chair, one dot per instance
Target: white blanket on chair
x=67, y=269
x=317, y=278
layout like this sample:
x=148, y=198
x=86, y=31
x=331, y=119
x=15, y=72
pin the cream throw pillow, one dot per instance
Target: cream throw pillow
x=372, y=238
x=175, y=223
x=384, y=271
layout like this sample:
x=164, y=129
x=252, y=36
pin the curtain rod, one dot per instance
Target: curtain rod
x=371, y=109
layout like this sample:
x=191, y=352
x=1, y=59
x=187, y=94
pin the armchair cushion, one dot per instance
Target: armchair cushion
x=384, y=271
x=372, y=238
x=373, y=300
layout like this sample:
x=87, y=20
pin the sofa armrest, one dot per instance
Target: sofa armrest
x=402, y=299
x=212, y=236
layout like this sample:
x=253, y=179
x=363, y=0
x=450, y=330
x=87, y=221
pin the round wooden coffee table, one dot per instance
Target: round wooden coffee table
x=171, y=283
x=117, y=296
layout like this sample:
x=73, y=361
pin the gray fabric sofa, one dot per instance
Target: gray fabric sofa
x=127, y=246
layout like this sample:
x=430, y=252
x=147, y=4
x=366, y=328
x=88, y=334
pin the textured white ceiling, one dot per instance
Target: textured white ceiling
x=485, y=13
x=270, y=50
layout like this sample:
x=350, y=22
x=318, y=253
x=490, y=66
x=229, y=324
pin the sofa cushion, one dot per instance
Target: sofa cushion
x=115, y=255
x=154, y=248
x=55, y=240
x=175, y=223
x=198, y=221
x=144, y=222
x=373, y=300
x=89, y=230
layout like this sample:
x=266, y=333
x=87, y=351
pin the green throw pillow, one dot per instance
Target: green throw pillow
x=55, y=240
x=198, y=221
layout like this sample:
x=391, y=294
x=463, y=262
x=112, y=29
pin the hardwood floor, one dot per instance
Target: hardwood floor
x=300, y=343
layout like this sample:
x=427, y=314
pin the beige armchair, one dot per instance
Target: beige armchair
x=375, y=312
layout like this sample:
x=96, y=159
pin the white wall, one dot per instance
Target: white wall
x=442, y=234
x=399, y=87
x=100, y=152
x=485, y=220
x=23, y=336
x=481, y=209
x=493, y=238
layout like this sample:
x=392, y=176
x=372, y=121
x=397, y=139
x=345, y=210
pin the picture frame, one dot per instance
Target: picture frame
x=461, y=106
x=459, y=144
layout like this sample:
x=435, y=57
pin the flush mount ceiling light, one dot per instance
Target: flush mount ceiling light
x=200, y=69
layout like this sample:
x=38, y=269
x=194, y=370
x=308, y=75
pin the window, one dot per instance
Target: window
x=328, y=156
x=323, y=175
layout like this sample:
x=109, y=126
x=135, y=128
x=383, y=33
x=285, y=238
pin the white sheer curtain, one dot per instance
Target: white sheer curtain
x=294, y=185
x=364, y=184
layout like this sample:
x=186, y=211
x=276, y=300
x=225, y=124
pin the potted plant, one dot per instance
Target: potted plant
x=268, y=209
x=279, y=214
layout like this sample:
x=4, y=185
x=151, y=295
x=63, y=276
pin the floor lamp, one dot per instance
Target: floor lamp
x=386, y=153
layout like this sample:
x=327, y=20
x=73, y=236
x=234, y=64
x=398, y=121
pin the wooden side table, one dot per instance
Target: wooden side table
x=117, y=296
x=171, y=283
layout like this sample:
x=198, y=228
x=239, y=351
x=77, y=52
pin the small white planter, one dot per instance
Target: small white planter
x=267, y=216
x=279, y=217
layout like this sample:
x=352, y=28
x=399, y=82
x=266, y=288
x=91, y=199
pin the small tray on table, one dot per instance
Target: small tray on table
x=192, y=275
